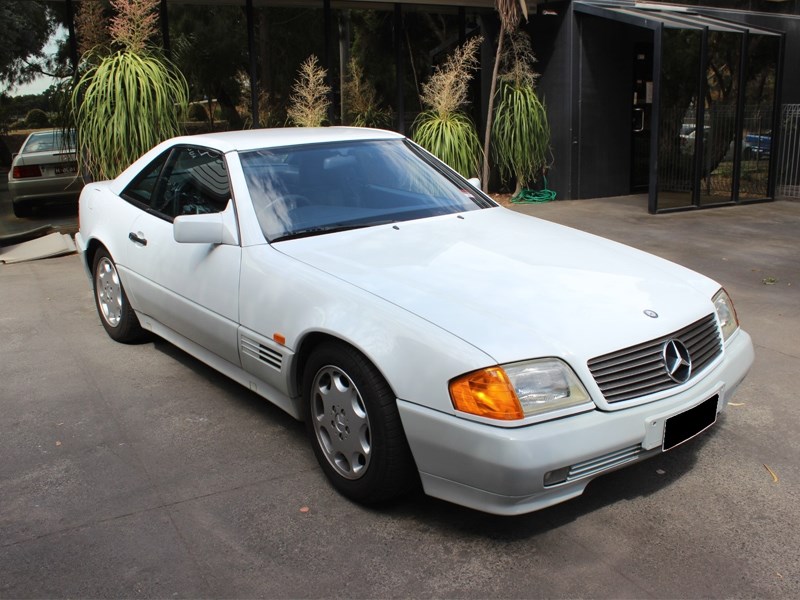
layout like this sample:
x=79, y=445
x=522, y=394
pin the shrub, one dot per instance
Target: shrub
x=197, y=112
x=36, y=117
x=308, y=105
x=360, y=99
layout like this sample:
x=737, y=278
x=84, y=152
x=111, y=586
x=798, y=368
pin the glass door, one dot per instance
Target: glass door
x=759, y=103
x=678, y=130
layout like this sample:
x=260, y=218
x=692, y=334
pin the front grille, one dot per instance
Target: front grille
x=640, y=370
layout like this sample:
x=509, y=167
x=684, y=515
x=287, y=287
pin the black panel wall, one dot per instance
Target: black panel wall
x=605, y=79
x=587, y=84
x=551, y=36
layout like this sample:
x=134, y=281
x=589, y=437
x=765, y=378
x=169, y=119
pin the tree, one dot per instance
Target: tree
x=27, y=25
x=510, y=12
x=209, y=48
x=680, y=96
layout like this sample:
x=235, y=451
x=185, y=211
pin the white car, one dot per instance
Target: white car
x=423, y=332
x=44, y=171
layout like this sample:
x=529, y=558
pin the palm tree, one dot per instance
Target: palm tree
x=510, y=12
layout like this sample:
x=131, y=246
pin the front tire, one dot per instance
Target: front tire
x=354, y=426
x=116, y=314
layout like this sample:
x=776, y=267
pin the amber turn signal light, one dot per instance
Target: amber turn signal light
x=486, y=393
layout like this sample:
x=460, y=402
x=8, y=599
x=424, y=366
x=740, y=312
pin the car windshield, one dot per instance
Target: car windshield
x=50, y=141
x=315, y=189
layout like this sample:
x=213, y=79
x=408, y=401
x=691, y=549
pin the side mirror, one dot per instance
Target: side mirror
x=474, y=182
x=204, y=229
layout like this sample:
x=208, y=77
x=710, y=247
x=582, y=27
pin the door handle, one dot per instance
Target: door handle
x=136, y=239
x=638, y=113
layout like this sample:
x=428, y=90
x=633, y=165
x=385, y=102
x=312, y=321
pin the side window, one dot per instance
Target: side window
x=195, y=181
x=142, y=189
x=185, y=181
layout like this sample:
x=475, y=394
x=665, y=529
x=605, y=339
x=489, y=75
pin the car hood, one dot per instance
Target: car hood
x=514, y=286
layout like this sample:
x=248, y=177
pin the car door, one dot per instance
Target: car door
x=191, y=288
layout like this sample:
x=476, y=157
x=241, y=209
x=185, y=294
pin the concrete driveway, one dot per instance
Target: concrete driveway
x=136, y=471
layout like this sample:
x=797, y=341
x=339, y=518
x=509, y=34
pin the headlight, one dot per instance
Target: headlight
x=518, y=390
x=726, y=313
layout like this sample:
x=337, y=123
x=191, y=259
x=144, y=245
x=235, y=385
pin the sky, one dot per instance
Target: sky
x=42, y=83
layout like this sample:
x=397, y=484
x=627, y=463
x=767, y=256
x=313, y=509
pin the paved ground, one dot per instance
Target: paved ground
x=135, y=471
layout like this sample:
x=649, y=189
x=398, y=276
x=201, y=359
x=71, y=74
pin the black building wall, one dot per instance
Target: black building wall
x=605, y=87
x=552, y=37
x=587, y=85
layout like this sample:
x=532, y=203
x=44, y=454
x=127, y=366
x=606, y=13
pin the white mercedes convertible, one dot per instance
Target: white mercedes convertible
x=422, y=332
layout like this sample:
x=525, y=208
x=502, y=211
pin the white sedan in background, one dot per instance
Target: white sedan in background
x=44, y=172
x=423, y=333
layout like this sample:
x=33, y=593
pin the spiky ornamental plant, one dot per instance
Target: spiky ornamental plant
x=362, y=107
x=309, y=102
x=520, y=131
x=91, y=26
x=130, y=99
x=510, y=12
x=443, y=128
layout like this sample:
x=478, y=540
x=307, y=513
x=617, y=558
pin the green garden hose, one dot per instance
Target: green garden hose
x=527, y=196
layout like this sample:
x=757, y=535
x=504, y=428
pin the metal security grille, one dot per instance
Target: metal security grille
x=640, y=370
x=789, y=165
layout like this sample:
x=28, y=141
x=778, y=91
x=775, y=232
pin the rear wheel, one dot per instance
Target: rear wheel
x=115, y=311
x=354, y=426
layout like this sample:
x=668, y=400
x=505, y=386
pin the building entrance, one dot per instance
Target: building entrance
x=703, y=106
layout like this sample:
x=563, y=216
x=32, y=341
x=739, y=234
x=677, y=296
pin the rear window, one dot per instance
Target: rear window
x=50, y=141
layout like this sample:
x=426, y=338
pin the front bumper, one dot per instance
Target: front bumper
x=502, y=471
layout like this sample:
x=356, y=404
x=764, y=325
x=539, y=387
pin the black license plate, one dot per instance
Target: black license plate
x=61, y=169
x=686, y=425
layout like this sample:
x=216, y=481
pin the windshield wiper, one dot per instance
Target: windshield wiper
x=309, y=231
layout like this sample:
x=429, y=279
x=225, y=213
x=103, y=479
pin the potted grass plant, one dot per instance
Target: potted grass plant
x=520, y=131
x=128, y=98
x=443, y=128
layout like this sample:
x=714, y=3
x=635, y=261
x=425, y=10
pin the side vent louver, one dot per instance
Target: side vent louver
x=268, y=356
